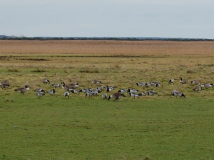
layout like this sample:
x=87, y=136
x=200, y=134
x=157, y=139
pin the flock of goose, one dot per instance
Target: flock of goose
x=89, y=92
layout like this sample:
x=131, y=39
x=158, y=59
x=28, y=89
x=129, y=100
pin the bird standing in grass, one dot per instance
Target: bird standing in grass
x=73, y=91
x=116, y=96
x=183, y=81
x=51, y=92
x=195, y=82
x=171, y=81
x=39, y=90
x=176, y=93
x=40, y=94
x=55, y=85
x=46, y=81
x=22, y=90
x=104, y=96
x=5, y=84
x=135, y=94
x=96, y=81
x=207, y=85
x=197, y=88
x=66, y=94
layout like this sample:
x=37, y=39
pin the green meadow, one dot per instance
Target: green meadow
x=54, y=127
x=158, y=127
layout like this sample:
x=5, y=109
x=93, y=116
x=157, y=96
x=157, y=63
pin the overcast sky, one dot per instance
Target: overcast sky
x=108, y=18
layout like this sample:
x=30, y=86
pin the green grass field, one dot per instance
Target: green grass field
x=91, y=128
x=150, y=127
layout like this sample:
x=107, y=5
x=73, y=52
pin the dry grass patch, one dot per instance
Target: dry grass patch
x=109, y=47
x=13, y=70
x=39, y=70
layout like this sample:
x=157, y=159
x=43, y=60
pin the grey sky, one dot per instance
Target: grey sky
x=108, y=18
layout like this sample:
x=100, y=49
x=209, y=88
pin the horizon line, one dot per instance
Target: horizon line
x=100, y=37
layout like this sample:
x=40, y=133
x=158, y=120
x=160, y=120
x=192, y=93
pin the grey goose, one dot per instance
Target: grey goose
x=23, y=90
x=116, y=96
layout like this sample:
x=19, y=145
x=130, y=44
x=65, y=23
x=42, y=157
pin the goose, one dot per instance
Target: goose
x=195, y=82
x=85, y=90
x=116, y=96
x=123, y=91
x=144, y=93
x=95, y=90
x=207, y=85
x=69, y=86
x=148, y=84
x=140, y=84
x=96, y=81
x=74, y=85
x=176, y=93
x=22, y=90
x=156, y=84
x=4, y=85
x=73, y=91
x=39, y=90
x=197, y=88
x=133, y=90
x=46, y=81
x=100, y=88
x=171, y=80
x=151, y=92
x=134, y=94
x=91, y=93
x=109, y=88
x=183, y=81
x=66, y=87
x=104, y=96
x=66, y=94
x=55, y=85
x=51, y=92
x=40, y=94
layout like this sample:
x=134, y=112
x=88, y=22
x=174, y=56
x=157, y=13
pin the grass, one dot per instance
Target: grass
x=13, y=70
x=38, y=70
x=150, y=127
x=89, y=71
x=84, y=128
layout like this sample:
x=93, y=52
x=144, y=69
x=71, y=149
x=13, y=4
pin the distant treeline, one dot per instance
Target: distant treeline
x=2, y=37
